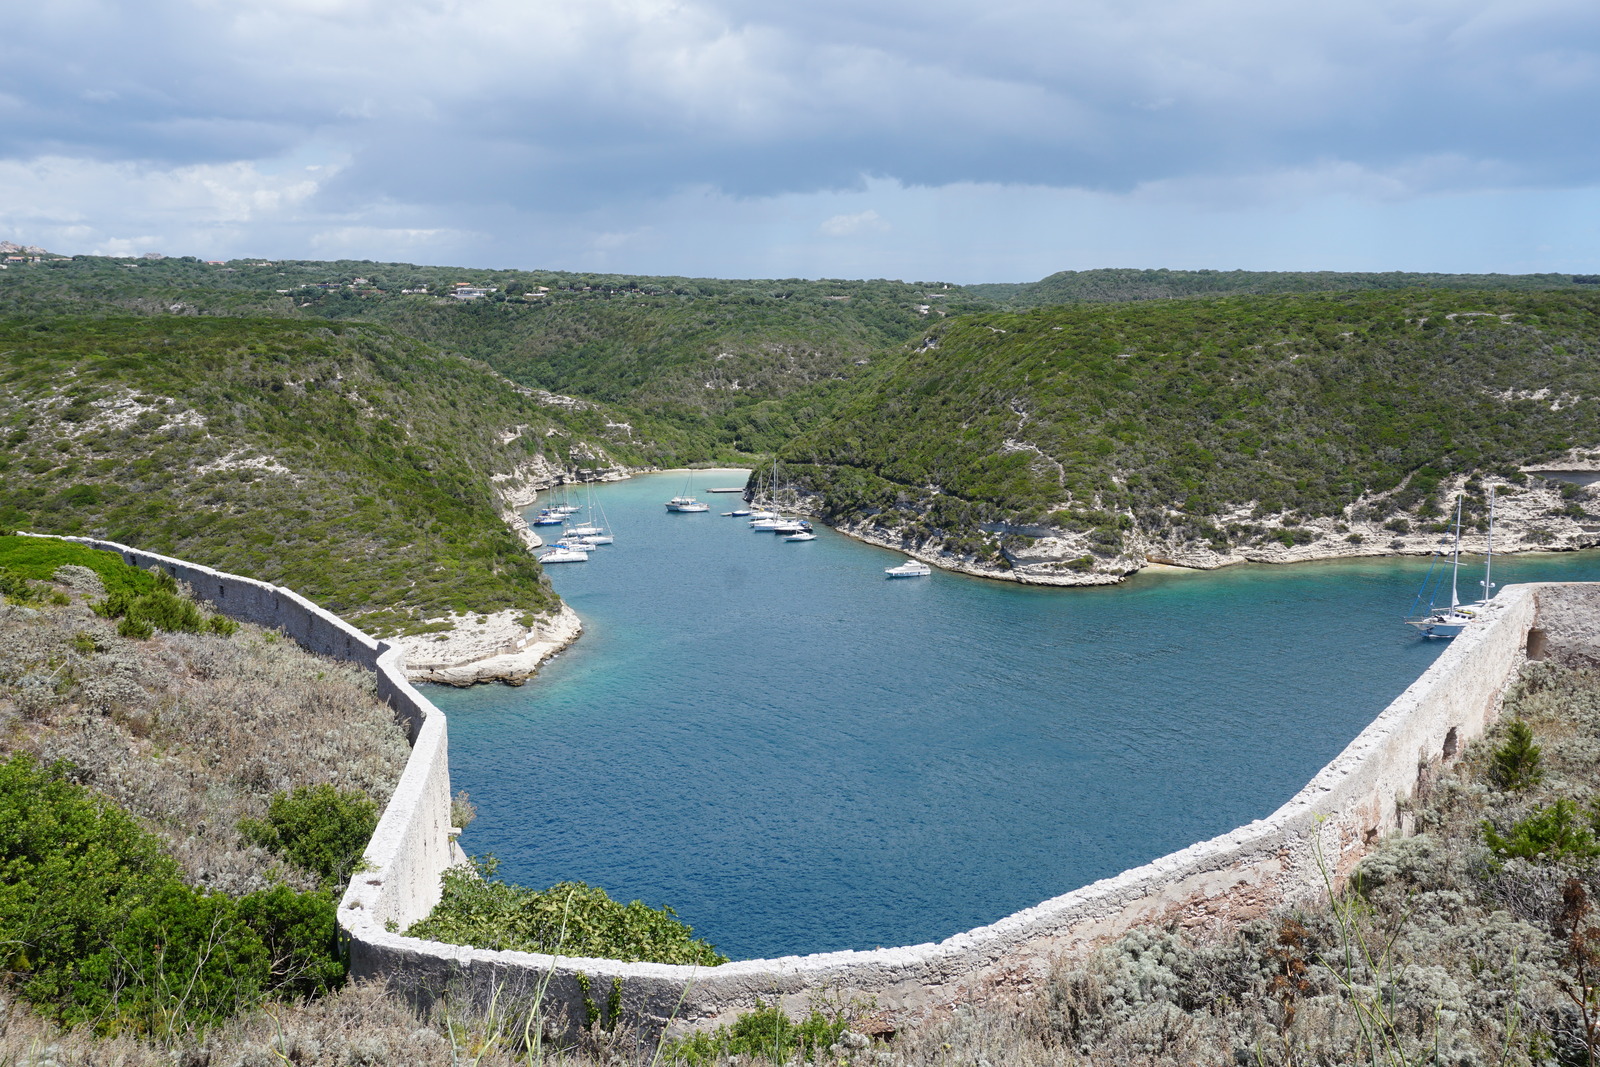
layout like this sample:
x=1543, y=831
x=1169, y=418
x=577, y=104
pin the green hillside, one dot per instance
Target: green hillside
x=1162, y=416
x=1111, y=285
x=700, y=368
x=342, y=460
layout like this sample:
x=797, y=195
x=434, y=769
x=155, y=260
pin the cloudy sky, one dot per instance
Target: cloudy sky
x=997, y=140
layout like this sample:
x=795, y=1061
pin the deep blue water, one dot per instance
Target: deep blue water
x=799, y=755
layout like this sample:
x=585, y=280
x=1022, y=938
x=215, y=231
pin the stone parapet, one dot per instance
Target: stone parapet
x=1311, y=842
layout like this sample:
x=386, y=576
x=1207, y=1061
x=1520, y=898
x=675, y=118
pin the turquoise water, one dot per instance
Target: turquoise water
x=799, y=755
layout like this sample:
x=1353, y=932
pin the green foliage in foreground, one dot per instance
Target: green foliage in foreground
x=763, y=1034
x=98, y=928
x=1516, y=764
x=38, y=558
x=1558, y=832
x=1169, y=415
x=569, y=919
x=317, y=828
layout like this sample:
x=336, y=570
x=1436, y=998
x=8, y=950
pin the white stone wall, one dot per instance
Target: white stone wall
x=1318, y=835
x=412, y=844
x=1293, y=854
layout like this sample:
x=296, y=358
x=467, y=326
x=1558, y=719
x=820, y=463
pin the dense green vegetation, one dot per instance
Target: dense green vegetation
x=700, y=368
x=1078, y=286
x=342, y=460
x=923, y=407
x=570, y=918
x=766, y=1033
x=1166, y=416
x=100, y=929
x=130, y=901
x=318, y=828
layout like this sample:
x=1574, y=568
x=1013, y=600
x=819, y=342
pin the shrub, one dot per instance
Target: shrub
x=1555, y=833
x=300, y=935
x=318, y=828
x=1516, y=764
x=571, y=918
x=99, y=928
x=765, y=1034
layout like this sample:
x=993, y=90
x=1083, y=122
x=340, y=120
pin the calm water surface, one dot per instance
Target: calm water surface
x=799, y=755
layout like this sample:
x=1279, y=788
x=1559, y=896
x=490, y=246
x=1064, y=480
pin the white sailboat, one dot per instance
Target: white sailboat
x=588, y=528
x=684, y=502
x=1448, y=622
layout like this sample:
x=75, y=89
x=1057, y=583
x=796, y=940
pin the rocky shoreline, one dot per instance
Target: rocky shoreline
x=488, y=648
x=498, y=647
x=1534, y=517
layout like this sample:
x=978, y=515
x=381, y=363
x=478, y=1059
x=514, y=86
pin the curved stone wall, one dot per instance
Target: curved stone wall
x=1290, y=855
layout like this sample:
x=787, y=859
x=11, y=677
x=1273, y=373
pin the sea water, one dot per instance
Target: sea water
x=800, y=755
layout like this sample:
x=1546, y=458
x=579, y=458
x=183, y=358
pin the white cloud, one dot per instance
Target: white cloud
x=850, y=225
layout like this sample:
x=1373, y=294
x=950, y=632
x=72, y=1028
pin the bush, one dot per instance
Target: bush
x=317, y=828
x=300, y=934
x=1516, y=764
x=99, y=929
x=764, y=1035
x=1555, y=833
x=571, y=918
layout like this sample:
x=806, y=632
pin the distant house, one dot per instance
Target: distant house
x=469, y=292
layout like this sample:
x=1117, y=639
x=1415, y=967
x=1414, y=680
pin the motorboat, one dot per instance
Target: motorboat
x=803, y=535
x=911, y=568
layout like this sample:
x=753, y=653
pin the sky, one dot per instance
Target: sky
x=996, y=140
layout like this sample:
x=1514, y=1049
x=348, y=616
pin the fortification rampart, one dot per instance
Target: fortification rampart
x=413, y=843
x=1290, y=855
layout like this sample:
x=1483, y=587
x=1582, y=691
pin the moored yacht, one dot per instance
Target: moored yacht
x=911, y=568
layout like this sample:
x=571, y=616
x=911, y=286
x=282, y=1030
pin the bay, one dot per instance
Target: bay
x=798, y=755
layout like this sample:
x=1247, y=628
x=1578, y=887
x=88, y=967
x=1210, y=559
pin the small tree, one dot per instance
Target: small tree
x=1515, y=765
x=1556, y=833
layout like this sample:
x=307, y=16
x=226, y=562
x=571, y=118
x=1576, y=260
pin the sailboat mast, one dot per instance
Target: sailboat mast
x=1488, y=559
x=1455, y=562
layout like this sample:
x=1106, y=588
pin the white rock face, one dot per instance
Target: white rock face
x=488, y=648
x=496, y=647
x=1528, y=518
